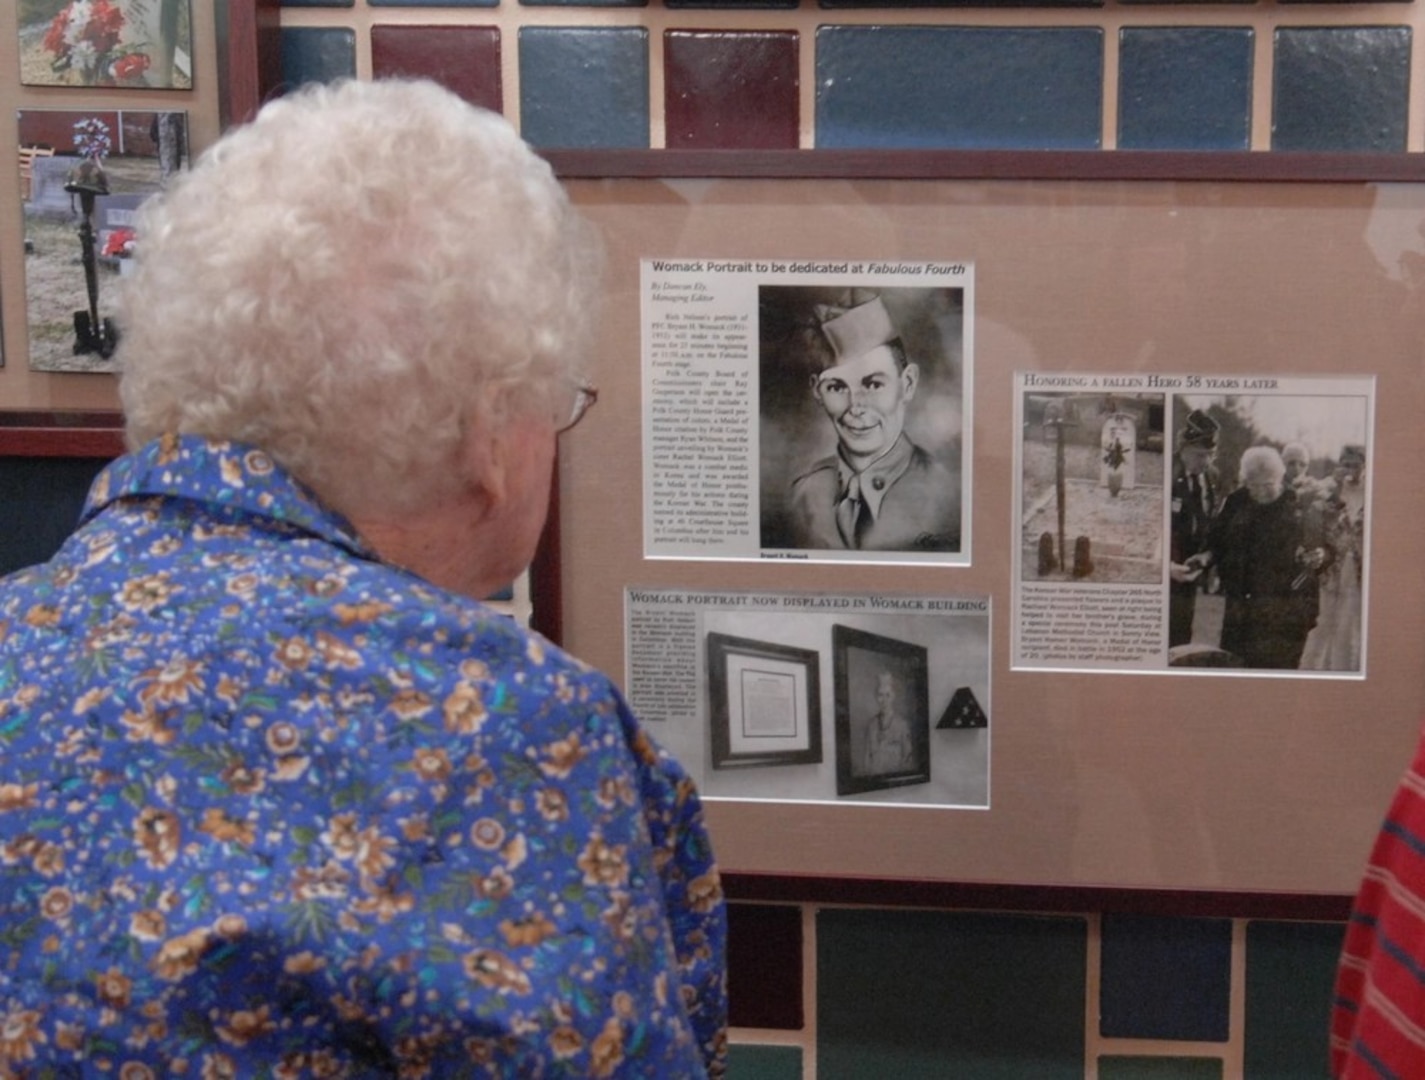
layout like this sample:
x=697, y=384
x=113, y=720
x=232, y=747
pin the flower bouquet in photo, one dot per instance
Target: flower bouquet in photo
x=119, y=43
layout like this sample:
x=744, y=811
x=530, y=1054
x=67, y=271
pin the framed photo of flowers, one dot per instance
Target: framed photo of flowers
x=143, y=44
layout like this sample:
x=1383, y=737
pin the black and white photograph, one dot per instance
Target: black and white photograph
x=84, y=175
x=1270, y=517
x=882, y=715
x=862, y=416
x=1197, y=525
x=1092, y=487
x=765, y=703
x=895, y=691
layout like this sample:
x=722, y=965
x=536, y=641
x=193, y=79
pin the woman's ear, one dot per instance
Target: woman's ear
x=485, y=451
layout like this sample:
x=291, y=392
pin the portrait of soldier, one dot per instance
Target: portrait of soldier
x=877, y=489
x=887, y=746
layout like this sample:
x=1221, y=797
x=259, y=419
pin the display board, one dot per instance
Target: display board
x=1163, y=777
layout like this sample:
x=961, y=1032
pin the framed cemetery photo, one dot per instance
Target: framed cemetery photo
x=765, y=706
x=89, y=172
x=882, y=718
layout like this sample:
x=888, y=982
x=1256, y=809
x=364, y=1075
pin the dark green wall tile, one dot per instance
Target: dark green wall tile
x=1291, y=970
x=764, y=1062
x=1159, y=1068
x=943, y=994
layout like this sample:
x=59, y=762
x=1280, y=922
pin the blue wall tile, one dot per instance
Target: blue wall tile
x=1184, y=88
x=969, y=87
x=1341, y=88
x=314, y=54
x=912, y=994
x=1164, y=978
x=1291, y=971
x=584, y=87
x=434, y=3
x=316, y=3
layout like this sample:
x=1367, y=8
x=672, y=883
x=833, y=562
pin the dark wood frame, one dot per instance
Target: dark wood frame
x=249, y=71
x=912, y=659
x=720, y=647
x=59, y=433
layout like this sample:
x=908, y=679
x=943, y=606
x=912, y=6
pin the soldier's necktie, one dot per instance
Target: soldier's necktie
x=848, y=513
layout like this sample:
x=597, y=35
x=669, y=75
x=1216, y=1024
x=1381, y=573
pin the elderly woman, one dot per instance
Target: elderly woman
x=277, y=792
x=1256, y=544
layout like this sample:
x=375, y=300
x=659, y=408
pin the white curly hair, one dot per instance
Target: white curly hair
x=345, y=280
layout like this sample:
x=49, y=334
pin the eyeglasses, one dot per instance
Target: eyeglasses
x=585, y=394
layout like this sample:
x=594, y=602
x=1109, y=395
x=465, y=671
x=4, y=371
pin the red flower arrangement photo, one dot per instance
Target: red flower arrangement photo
x=144, y=44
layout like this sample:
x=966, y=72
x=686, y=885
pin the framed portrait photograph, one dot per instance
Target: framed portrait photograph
x=765, y=706
x=882, y=716
x=863, y=405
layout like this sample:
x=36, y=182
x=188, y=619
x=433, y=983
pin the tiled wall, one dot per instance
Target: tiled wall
x=998, y=74
x=832, y=992
x=850, y=993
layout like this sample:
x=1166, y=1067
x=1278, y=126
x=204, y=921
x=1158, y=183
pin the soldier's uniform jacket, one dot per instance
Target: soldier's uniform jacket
x=1191, y=517
x=913, y=503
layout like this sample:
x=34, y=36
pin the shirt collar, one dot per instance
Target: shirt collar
x=235, y=476
x=876, y=478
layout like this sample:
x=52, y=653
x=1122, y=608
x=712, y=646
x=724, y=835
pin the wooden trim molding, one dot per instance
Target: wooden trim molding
x=249, y=57
x=1065, y=899
x=1174, y=165
x=56, y=433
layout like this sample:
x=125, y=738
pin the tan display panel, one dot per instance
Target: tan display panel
x=1160, y=782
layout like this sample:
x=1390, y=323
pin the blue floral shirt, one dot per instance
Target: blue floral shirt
x=272, y=807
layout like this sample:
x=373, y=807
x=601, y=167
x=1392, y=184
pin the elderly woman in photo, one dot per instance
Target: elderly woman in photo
x=278, y=793
x=1256, y=543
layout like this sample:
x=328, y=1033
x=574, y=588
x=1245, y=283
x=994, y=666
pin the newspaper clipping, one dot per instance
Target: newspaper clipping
x=798, y=697
x=1192, y=523
x=817, y=411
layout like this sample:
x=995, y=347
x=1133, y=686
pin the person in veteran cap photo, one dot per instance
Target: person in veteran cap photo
x=1195, y=500
x=879, y=490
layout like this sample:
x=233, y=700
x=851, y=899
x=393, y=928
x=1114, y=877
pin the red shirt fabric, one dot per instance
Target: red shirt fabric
x=1378, y=1011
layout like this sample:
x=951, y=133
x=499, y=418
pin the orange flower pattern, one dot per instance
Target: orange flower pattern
x=270, y=806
